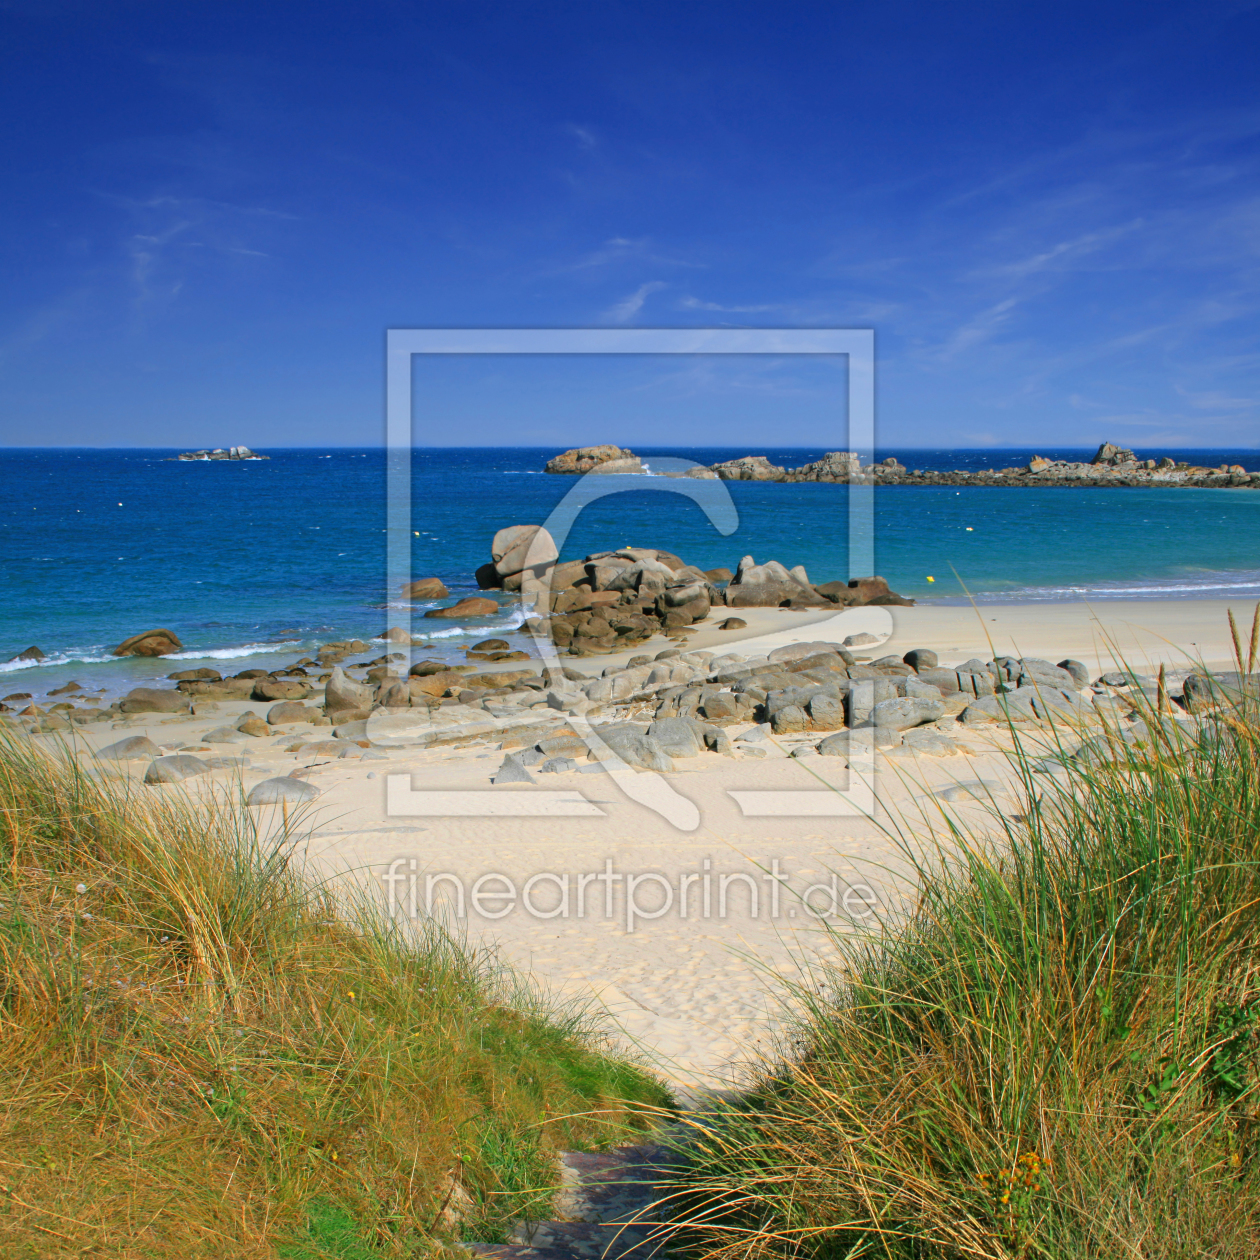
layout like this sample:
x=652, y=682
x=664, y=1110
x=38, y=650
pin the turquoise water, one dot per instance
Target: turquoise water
x=248, y=561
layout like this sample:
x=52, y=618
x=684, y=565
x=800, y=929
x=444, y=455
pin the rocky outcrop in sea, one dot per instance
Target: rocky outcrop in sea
x=1113, y=466
x=221, y=452
x=597, y=459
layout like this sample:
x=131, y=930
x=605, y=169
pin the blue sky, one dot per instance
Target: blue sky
x=1050, y=214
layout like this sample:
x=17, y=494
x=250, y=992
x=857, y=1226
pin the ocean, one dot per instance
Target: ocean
x=254, y=563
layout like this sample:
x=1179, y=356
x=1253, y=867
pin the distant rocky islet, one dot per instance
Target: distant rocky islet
x=218, y=452
x=1112, y=466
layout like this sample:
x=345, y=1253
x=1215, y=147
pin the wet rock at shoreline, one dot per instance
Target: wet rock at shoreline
x=149, y=643
x=471, y=606
x=32, y=654
x=424, y=589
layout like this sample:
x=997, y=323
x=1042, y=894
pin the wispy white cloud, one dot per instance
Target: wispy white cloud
x=979, y=329
x=146, y=251
x=792, y=378
x=625, y=310
x=1062, y=254
x=44, y=322
x=169, y=232
x=1211, y=400
x=695, y=304
x=615, y=252
x=583, y=135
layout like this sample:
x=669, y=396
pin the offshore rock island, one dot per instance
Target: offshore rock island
x=220, y=452
x=1112, y=466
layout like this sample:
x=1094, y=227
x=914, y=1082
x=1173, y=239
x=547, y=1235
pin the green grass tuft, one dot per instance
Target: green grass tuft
x=332, y=1234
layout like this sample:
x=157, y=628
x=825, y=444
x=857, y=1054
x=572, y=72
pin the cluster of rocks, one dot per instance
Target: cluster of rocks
x=800, y=700
x=1112, y=466
x=303, y=680
x=221, y=452
x=611, y=599
x=166, y=767
x=60, y=715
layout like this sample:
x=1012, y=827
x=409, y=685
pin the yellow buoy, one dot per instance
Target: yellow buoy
x=931, y=579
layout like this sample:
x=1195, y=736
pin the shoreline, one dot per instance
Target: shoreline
x=38, y=678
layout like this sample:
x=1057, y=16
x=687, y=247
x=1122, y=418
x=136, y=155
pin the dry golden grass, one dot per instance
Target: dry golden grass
x=202, y=1054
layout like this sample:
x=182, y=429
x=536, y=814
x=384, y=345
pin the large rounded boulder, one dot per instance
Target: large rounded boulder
x=521, y=547
x=472, y=606
x=152, y=700
x=425, y=589
x=150, y=643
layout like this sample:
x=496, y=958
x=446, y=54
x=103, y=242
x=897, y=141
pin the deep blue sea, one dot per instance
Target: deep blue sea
x=255, y=562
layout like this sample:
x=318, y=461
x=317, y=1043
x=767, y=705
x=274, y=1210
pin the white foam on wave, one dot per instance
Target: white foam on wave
x=232, y=653
x=60, y=658
x=89, y=656
x=515, y=617
x=455, y=632
x=1210, y=585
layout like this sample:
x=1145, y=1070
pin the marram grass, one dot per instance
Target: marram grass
x=203, y=1054
x=1053, y=1055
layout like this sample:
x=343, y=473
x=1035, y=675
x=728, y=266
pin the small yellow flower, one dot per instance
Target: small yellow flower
x=350, y=995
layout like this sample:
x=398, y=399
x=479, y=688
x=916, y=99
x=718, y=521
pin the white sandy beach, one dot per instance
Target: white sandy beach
x=696, y=992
